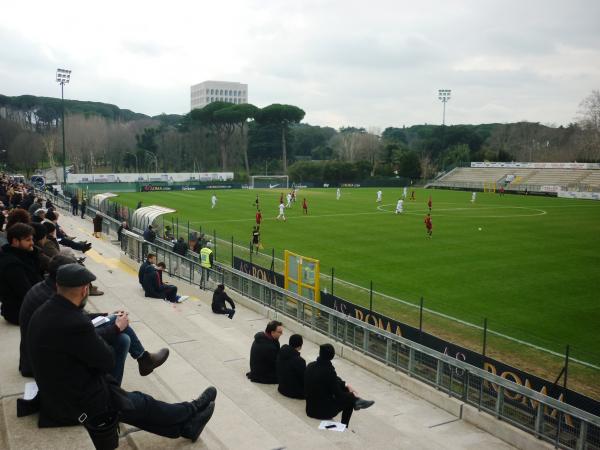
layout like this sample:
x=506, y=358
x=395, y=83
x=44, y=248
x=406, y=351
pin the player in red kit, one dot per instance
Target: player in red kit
x=429, y=203
x=428, y=224
x=304, y=206
x=258, y=217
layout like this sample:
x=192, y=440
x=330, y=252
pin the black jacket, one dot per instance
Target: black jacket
x=152, y=281
x=323, y=390
x=39, y=294
x=180, y=247
x=290, y=372
x=219, y=299
x=70, y=362
x=19, y=270
x=263, y=357
x=149, y=235
x=142, y=270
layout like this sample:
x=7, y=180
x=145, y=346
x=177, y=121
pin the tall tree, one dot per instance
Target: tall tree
x=239, y=114
x=589, y=111
x=221, y=125
x=25, y=151
x=283, y=116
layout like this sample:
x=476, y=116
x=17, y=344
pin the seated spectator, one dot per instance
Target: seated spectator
x=150, y=234
x=218, y=302
x=150, y=261
x=326, y=393
x=19, y=270
x=263, y=354
x=154, y=287
x=71, y=365
x=39, y=215
x=290, y=368
x=37, y=204
x=63, y=238
x=116, y=332
x=39, y=241
x=51, y=247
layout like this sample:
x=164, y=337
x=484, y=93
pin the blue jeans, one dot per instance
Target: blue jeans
x=126, y=342
x=154, y=416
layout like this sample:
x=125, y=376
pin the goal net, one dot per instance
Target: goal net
x=269, y=181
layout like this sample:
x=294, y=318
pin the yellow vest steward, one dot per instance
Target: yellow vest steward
x=205, y=257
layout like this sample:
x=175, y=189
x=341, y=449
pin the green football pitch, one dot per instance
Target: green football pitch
x=530, y=265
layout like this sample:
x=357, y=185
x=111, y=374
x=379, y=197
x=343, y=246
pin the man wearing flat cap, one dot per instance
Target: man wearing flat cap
x=71, y=364
x=327, y=394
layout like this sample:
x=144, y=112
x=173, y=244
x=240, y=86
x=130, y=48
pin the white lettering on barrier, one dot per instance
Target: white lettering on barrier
x=579, y=195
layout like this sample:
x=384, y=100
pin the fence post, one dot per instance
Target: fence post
x=411, y=360
x=566, y=372
x=177, y=225
x=232, y=251
x=250, y=252
x=539, y=418
x=332, y=274
x=420, y=319
x=371, y=297
x=215, y=242
x=484, y=336
x=438, y=373
x=499, y=401
x=582, y=435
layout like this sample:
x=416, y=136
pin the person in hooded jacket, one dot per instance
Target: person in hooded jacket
x=327, y=394
x=290, y=368
x=263, y=354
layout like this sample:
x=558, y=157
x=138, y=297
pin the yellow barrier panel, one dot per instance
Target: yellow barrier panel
x=302, y=275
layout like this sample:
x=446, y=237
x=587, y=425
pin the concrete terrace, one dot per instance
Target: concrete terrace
x=212, y=350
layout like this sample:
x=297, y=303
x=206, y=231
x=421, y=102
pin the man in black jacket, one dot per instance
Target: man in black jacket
x=155, y=288
x=290, y=368
x=116, y=331
x=150, y=234
x=326, y=393
x=150, y=261
x=71, y=364
x=218, y=302
x=263, y=354
x=19, y=270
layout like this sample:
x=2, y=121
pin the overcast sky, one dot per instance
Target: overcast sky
x=361, y=63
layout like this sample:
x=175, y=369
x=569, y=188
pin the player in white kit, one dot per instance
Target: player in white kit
x=338, y=194
x=289, y=200
x=379, y=195
x=213, y=201
x=281, y=212
x=404, y=192
x=400, y=206
x=473, y=197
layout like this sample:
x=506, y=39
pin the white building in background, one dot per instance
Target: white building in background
x=213, y=91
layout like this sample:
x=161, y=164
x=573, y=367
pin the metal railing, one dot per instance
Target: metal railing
x=551, y=420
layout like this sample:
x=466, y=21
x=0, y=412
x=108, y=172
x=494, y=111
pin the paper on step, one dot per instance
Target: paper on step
x=100, y=320
x=332, y=426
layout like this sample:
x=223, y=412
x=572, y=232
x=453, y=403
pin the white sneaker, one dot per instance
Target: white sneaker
x=183, y=298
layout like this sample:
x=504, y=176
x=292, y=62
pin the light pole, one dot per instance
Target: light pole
x=155, y=159
x=63, y=76
x=136, y=161
x=444, y=96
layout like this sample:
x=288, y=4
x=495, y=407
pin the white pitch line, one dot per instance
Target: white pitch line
x=292, y=217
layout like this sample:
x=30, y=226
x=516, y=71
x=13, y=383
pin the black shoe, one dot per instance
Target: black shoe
x=150, y=361
x=231, y=314
x=209, y=395
x=363, y=404
x=192, y=429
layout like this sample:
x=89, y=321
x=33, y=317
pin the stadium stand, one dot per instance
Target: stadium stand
x=206, y=350
x=519, y=178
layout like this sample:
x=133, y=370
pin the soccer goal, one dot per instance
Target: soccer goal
x=269, y=181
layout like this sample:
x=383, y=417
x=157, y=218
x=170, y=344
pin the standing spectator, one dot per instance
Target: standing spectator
x=168, y=234
x=19, y=270
x=181, y=248
x=49, y=204
x=263, y=354
x=150, y=234
x=83, y=207
x=327, y=394
x=97, y=225
x=218, y=302
x=71, y=365
x=290, y=368
x=206, y=263
x=74, y=205
x=124, y=226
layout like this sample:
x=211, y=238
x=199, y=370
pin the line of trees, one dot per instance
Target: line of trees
x=246, y=139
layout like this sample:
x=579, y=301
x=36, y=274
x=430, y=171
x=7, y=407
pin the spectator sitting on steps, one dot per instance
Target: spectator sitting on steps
x=290, y=368
x=154, y=287
x=326, y=393
x=263, y=354
x=218, y=302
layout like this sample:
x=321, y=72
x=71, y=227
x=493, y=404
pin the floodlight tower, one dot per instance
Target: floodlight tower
x=63, y=76
x=444, y=96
